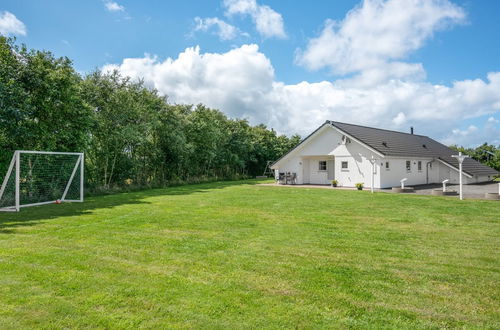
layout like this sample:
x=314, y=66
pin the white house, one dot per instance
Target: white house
x=349, y=153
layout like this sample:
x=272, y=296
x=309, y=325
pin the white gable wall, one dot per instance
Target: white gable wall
x=322, y=143
x=304, y=159
x=359, y=166
x=291, y=164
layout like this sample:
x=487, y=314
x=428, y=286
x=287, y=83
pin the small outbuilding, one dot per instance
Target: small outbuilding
x=350, y=153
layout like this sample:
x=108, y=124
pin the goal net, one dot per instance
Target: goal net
x=42, y=177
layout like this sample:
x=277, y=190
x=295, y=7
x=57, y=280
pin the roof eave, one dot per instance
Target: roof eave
x=453, y=167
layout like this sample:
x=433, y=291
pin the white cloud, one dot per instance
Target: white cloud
x=114, y=6
x=224, y=30
x=399, y=119
x=268, y=22
x=231, y=81
x=241, y=82
x=492, y=120
x=473, y=136
x=11, y=25
x=377, y=32
x=370, y=43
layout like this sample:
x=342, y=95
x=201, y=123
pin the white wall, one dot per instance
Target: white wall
x=303, y=160
x=397, y=171
x=480, y=178
x=290, y=164
x=359, y=165
x=437, y=173
x=446, y=172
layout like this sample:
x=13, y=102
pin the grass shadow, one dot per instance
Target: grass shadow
x=31, y=216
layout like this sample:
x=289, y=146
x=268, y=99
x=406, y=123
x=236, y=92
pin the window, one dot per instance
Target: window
x=345, y=165
x=419, y=166
x=408, y=166
x=387, y=166
x=322, y=165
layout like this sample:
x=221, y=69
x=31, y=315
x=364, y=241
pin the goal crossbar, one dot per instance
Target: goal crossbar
x=32, y=182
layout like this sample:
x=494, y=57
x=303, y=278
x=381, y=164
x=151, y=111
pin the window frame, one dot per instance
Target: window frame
x=320, y=167
x=387, y=166
x=346, y=168
x=419, y=166
x=408, y=166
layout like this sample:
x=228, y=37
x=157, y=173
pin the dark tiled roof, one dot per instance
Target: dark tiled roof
x=399, y=144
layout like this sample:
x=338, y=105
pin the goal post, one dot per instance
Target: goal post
x=42, y=177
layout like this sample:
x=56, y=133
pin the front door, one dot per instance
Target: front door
x=318, y=171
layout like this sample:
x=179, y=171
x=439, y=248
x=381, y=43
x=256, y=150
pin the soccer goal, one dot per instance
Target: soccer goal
x=42, y=177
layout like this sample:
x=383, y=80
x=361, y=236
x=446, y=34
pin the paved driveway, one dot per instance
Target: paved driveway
x=469, y=190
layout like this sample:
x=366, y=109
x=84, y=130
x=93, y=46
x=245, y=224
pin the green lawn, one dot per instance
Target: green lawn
x=238, y=255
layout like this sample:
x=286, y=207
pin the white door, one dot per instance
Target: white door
x=318, y=169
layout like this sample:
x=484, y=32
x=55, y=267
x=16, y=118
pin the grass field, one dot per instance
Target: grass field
x=238, y=255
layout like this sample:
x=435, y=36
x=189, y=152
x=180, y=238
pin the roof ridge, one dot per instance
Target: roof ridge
x=380, y=129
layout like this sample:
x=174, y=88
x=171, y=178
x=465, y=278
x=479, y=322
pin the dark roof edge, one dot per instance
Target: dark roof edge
x=379, y=129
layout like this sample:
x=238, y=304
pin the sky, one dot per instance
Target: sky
x=430, y=64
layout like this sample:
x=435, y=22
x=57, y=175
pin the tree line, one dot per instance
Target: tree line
x=486, y=153
x=130, y=134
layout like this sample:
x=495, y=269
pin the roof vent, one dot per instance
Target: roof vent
x=423, y=145
x=385, y=144
x=411, y=129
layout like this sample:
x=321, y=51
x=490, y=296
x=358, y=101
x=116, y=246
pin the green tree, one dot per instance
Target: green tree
x=41, y=107
x=131, y=135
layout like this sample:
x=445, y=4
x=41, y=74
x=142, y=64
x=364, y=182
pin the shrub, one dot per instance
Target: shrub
x=359, y=185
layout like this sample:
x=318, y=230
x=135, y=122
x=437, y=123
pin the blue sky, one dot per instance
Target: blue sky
x=291, y=65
